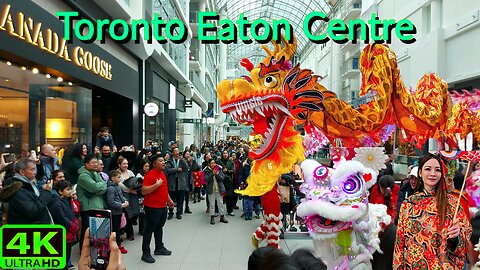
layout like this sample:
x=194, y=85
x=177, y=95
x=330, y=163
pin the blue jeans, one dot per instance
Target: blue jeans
x=155, y=220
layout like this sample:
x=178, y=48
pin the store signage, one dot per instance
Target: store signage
x=188, y=103
x=151, y=109
x=25, y=28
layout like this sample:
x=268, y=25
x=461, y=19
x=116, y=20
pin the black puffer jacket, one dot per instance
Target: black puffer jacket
x=24, y=206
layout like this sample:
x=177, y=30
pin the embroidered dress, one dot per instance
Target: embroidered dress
x=420, y=245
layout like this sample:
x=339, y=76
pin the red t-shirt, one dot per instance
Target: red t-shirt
x=159, y=197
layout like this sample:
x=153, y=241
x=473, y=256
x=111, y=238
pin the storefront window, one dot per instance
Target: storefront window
x=37, y=108
x=155, y=128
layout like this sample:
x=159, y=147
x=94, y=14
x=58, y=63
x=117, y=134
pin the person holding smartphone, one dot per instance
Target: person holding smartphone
x=156, y=198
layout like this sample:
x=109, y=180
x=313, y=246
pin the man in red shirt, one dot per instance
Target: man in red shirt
x=156, y=198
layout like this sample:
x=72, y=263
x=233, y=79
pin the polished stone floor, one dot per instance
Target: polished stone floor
x=198, y=245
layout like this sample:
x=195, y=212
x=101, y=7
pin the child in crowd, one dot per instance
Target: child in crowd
x=105, y=138
x=116, y=202
x=62, y=213
x=198, y=180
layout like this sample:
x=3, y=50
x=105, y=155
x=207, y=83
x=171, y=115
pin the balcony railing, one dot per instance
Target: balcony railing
x=349, y=67
x=195, y=79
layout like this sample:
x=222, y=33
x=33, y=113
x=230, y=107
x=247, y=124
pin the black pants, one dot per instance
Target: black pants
x=129, y=227
x=187, y=199
x=85, y=225
x=116, y=220
x=387, y=242
x=155, y=220
x=141, y=223
x=196, y=194
x=230, y=201
x=179, y=199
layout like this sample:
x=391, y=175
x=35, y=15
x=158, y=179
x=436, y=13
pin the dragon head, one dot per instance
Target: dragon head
x=269, y=97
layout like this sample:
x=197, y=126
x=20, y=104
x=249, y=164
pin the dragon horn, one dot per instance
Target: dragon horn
x=286, y=51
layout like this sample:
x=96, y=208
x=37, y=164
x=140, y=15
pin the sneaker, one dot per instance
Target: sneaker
x=235, y=207
x=131, y=238
x=170, y=216
x=123, y=250
x=179, y=216
x=212, y=220
x=188, y=211
x=162, y=251
x=208, y=210
x=231, y=214
x=257, y=216
x=148, y=258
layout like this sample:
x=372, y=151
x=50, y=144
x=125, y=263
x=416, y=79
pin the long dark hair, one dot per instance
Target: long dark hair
x=387, y=182
x=440, y=188
x=77, y=150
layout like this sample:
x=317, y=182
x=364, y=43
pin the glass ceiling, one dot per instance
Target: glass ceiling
x=294, y=11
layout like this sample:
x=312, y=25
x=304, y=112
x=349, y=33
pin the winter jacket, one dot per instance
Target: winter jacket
x=90, y=190
x=229, y=175
x=71, y=170
x=101, y=141
x=133, y=208
x=209, y=179
x=172, y=173
x=377, y=197
x=115, y=198
x=24, y=206
x=45, y=169
x=62, y=213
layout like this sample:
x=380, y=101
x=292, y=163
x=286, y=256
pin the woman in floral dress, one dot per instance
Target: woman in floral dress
x=427, y=235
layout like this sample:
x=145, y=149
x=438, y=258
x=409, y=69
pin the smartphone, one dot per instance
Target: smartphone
x=33, y=154
x=9, y=157
x=100, y=222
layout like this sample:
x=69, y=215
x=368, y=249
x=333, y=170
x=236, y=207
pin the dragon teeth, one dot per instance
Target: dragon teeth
x=260, y=111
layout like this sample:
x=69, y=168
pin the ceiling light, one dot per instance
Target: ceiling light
x=7, y=80
x=48, y=76
x=60, y=79
x=24, y=68
x=70, y=83
x=35, y=70
x=9, y=63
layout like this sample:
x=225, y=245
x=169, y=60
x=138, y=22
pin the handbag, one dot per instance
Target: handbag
x=123, y=221
x=284, y=194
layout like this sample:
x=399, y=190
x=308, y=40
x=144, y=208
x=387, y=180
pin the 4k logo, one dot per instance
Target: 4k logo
x=32, y=246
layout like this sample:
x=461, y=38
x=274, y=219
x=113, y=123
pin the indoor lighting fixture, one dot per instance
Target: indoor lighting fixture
x=7, y=80
x=24, y=68
x=35, y=70
x=60, y=79
x=69, y=83
x=48, y=76
x=9, y=63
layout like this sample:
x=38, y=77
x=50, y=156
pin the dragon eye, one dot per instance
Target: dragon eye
x=352, y=185
x=270, y=81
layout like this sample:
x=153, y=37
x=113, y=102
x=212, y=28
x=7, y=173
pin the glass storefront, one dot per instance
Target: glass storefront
x=154, y=126
x=38, y=108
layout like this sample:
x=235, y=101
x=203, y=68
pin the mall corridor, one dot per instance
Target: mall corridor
x=197, y=245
